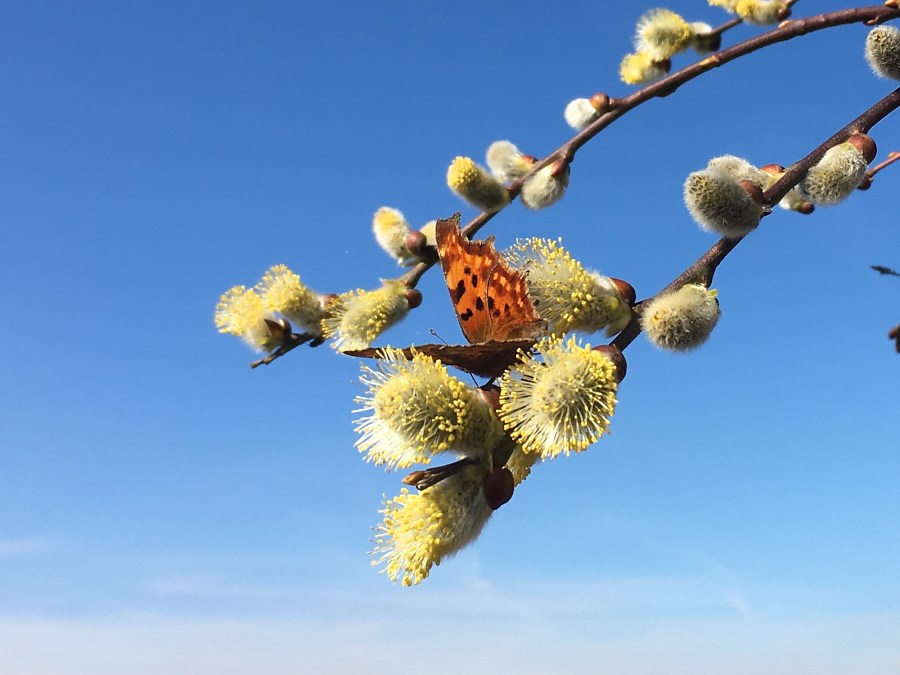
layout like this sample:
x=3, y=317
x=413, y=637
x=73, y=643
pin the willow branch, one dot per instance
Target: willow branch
x=705, y=266
x=786, y=31
x=620, y=106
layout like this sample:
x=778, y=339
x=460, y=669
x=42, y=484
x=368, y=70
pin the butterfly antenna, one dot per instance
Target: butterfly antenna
x=437, y=336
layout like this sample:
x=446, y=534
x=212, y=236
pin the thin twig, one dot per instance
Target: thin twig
x=891, y=158
x=291, y=341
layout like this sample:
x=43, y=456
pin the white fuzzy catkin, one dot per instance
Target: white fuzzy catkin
x=740, y=169
x=474, y=184
x=836, y=176
x=390, y=229
x=543, y=188
x=579, y=113
x=506, y=163
x=883, y=51
x=681, y=320
x=718, y=204
x=661, y=33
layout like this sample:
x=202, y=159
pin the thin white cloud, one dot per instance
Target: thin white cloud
x=152, y=644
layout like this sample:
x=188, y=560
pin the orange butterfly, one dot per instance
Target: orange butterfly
x=491, y=301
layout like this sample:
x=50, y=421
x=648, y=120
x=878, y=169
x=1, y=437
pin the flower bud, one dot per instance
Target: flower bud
x=580, y=113
x=883, y=51
x=282, y=291
x=625, y=289
x=836, y=176
x=561, y=403
x=416, y=242
x=740, y=169
x=762, y=12
x=390, y=229
x=413, y=297
x=602, y=102
x=420, y=530
x=795, y=199
x=498, y=485
x=547, y=186
x=506, y=163
x=241, y=312
x=640, y=68
x=661, y=34
x=704, y=40
x=357, y=317
x=719, y=204
x=681, y=320
x=566, y=295
x=476, y=186
x=865, y=144
x=416, y=410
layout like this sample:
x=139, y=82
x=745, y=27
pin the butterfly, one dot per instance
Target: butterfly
x=491, y=301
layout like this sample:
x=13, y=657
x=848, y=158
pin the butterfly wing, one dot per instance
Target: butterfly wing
x=489, y=359
x=489, y=297
x=467, y=267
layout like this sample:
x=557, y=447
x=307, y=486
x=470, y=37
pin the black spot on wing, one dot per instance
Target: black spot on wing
x=459, y=291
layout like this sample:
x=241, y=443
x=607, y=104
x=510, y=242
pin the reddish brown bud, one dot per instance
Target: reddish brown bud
x=531, y=159
x=328, y=298
x=559, y=168
x=491, y=394
x=413, y=478
x=413, y=297
x=278, y=329
x=865, y=145
x=615, y=355
x=784, y=13
x=773, y=169
x=415, y=242
x=866, y=183
x=753, y=190
x=498, y=487
x=601, y=102
x=625, y=289
x=894, y=4
x=805, y=208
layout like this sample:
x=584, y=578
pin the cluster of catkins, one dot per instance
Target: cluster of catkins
x=484, y=188
x=558, y=397
x=554, y=400
x=727, y=196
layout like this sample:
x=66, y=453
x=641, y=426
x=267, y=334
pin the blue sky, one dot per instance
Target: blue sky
x=166, y=509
